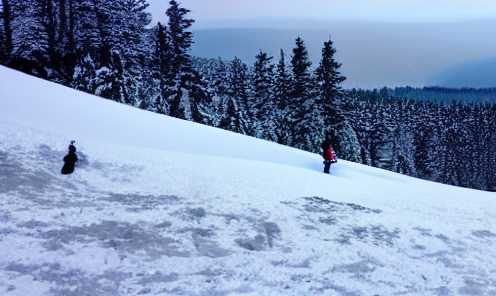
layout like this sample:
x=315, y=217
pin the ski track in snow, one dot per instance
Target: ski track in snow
x=141, y=220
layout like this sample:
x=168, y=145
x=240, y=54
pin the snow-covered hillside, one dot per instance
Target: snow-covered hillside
x=161, y=206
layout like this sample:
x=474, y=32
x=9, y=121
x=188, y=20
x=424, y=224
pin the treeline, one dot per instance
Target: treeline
x=285, y=101
x=446, y=95
x=452, y=144
x=109, y=49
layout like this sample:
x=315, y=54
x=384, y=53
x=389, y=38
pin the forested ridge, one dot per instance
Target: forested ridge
x=111, y=49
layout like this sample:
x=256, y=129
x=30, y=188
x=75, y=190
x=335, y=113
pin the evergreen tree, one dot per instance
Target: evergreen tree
x=328, y=83
x=5, y=32
x=261, y=99
x=235, y=118
x=403, y=147
x=180, y=41
x=475, y=126
x=29, y=39
x=84, y=74
x=110, y=83
x=188, y=84
x=368, y=123
x=281, y=99
x=111, y=32
x=425, y=141
x=86, y=34
x=300, y=117
x=162, y=72
x=453, y=140
x=134, y=50
x=217, y=84
x=336, y=128
x=301, y=77
x=490, y=143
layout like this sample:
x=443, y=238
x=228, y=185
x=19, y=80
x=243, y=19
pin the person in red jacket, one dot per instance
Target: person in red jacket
x=329, y=156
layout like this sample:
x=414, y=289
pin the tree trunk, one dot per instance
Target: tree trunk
x=7, y=28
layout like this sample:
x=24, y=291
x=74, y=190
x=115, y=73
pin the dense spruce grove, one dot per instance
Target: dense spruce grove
x=110, y=49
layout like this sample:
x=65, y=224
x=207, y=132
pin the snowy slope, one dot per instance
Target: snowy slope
x=161, y=206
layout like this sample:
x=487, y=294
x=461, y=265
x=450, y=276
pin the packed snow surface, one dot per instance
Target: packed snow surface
x=161, y=206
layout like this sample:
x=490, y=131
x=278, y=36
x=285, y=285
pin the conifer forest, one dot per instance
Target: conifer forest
x=111, y=49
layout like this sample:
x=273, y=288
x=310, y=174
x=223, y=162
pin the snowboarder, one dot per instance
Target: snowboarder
x=329, y=156
x=70, y=160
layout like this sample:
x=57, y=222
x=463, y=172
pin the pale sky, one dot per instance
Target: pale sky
x=378, y=10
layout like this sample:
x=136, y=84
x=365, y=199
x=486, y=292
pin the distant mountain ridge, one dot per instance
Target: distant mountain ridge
x=478, y=74
x=373, y=54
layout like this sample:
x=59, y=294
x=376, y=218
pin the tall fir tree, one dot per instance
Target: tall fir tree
x=189, y=98
x=84, y=75
x=217, y=84
x=261, y=102
x=162, y=72
x=425, y=140
x=336, y=128
x=235, y=118
x=119, y=25
x=281, y=99
x=300, y=102
x=29, y=38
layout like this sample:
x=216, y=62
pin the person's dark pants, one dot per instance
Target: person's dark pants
x=327, y=166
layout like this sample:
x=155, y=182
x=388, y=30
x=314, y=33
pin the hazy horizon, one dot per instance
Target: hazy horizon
x=373, y=55
x=376, y=49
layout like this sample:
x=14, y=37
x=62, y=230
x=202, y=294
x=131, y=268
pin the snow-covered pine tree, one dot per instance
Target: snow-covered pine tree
x=135, y=50
x=56, y=21
x=215, y=76
x=439, y=118
x=162, y=72
x=5, y=32
x=281, y=98
x=220, y=84
x=111, y=32
x=84, y=75
x=86, y=33
x=3, y=52
x=453, y=136
x=348, y=140
x=261, y=104
x=121, y=24
x=110, y=81
x=486, y=133
x=368, y=123
x=336, y=127
x=50, y=17
x=402, y=154
x=67, y=39
x=29, y=39
x=425, y=140
x=300, y=104
x=189, y=98
x=490, y=143
x=235, y=118
x=474, y=126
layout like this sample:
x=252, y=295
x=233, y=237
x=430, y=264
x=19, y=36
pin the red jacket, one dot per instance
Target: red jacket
x=329, y=154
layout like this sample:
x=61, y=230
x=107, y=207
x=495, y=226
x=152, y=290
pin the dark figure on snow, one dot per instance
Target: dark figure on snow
x=70, y=160
x=329, y=156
